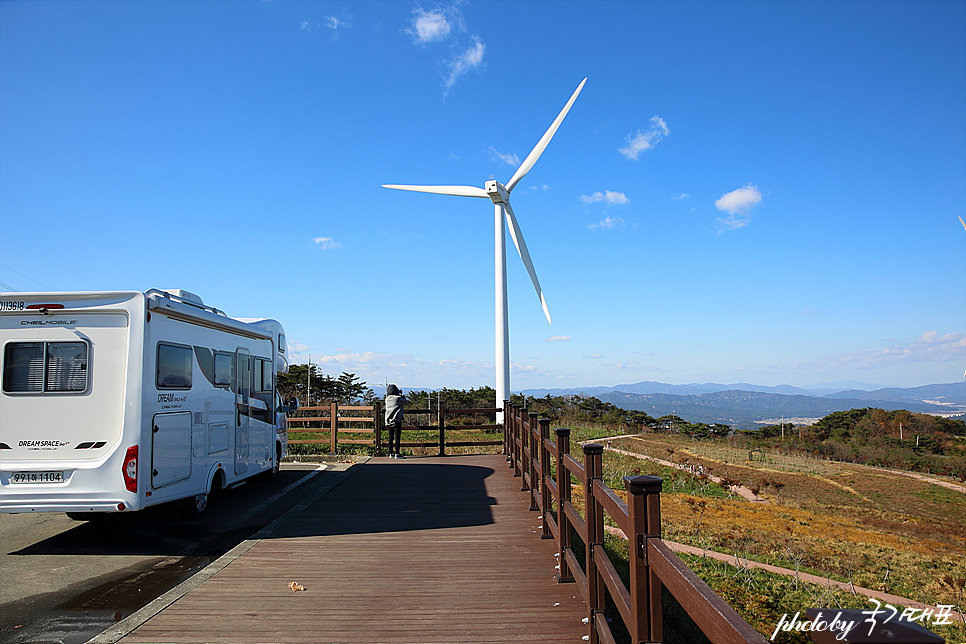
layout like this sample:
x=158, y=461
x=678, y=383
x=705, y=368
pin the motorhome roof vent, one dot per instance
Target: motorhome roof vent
x=183, y=295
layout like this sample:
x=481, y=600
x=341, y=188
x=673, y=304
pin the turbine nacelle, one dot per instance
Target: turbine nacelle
x=497, y=192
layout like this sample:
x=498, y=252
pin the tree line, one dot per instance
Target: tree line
x=313, y=388
x=872, y=436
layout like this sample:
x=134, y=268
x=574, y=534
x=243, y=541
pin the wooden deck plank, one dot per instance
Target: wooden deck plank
x=414, y=550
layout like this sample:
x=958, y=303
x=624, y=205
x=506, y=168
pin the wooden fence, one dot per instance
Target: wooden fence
x=546, y=466
x=366, y=424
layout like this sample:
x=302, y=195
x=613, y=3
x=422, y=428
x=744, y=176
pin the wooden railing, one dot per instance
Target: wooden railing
x=367, y=423
x=546, y=466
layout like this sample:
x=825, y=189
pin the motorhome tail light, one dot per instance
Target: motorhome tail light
x=42, y=307
x=130, y=469
x=121, y=507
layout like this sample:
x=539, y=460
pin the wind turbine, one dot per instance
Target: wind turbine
x=499, y=194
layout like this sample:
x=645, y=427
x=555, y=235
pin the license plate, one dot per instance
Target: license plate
x=37, y=477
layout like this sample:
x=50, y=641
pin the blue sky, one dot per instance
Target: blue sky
x=761, y=192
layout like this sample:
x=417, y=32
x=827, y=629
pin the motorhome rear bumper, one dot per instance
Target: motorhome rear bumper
x=28, y=501
x=13, y=506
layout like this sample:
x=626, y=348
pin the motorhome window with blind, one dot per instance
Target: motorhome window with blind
x=46, y=367
x=174, y=366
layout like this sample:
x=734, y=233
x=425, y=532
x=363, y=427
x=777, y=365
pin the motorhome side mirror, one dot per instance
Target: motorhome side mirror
x=293, y=404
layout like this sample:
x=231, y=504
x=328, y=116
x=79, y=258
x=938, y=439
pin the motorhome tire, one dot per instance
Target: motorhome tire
x=272, y=474
x=195, y=506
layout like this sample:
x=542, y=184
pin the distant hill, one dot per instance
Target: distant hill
x=949, y=394
x=649, y=387
x=744, y=405
x=746, y=409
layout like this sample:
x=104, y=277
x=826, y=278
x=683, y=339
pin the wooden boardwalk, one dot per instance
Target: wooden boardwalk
x=421, y=549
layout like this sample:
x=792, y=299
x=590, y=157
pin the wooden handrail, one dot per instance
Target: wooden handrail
x=335, y=420
x=652, y=566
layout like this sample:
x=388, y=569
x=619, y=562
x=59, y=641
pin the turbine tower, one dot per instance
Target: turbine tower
x=499, y=194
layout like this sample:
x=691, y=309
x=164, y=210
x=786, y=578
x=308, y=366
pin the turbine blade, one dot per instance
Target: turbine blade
x=543, y=142
x=456, y=191
x=962, y=222
x=517, y=235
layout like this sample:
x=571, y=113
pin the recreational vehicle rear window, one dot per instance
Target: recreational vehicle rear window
x=174, y=366
x=45, y=367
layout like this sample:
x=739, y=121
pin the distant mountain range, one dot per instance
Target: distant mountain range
x=744, y=405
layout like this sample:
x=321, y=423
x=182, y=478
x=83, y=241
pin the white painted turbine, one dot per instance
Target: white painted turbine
x=500, y=196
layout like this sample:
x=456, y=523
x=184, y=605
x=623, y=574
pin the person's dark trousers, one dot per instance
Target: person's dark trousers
x=395, y=436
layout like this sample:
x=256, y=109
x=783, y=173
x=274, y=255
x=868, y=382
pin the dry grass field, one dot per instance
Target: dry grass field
x=874, y=528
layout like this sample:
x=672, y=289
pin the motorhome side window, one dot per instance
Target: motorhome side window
x=46, y=367
x=223, y=369
x=262, y=374
x=174, y=367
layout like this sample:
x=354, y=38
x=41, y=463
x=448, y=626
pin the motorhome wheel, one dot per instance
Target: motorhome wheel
x=195, y=506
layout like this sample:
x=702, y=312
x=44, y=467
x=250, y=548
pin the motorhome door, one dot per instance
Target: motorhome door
x=243, y=392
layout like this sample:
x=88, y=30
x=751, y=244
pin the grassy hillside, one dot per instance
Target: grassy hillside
x=878, y=529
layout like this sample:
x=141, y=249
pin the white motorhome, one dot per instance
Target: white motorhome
x=116, y=401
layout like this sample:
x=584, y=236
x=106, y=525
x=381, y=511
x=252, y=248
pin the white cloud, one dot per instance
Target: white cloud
x=329, y=22
x=464, y=61
x=738, y=204
x=608, y=222
x=740, y=200
x=429, y=26
x=645, y=140
x=438, y=26
x=612, y=198
x=930, y=347
x=509, y=159
x=558, y=338
x=405, y=370
x=337, y=23
x=681, y=196
x=326, y=243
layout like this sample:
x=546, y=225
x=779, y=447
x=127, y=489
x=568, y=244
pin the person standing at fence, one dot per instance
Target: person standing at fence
x=395, y=404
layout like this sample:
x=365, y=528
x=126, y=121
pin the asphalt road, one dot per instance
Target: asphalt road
x=64, y=581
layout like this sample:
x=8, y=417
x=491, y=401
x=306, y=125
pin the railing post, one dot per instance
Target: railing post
x=593, y=466
x=507, y=448
x=524, y=446
x=515, y=439
x=441, y=421
x=533, y=429
x=644, y=516
x=545, y=500
x=377, y=421
x=334, y=428
x=564, y=536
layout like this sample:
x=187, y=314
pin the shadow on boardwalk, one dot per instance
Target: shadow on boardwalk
x=398, y=496
x=414, y=550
